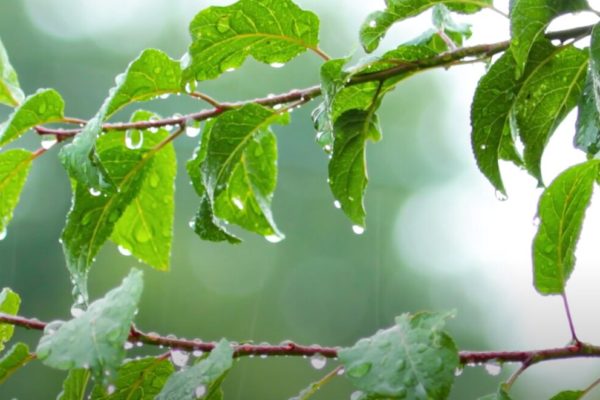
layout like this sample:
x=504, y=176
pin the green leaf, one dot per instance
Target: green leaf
x=239, y=169
x=561, y=210
x=377, y=24
x=95, y=339
x=587, y=134
x=140, y=379
x=14, y=168
x=547, y=96
x=271, y=31
x=44, y=106
x=202, y=380
x=569, y=395
x=94, y=215
x=74, y=386
x=146, y=226
x=501, y=394
x=10, y=91
x=414, y=359
x=528, y=21
x=348, y=165
x=9, y=304
x=14, y=359
x=152, y=74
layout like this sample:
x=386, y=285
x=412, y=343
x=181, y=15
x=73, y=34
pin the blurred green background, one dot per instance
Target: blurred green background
x=323, y=284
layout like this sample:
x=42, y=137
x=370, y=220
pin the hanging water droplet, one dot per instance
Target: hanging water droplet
x=179, y=358
x=190, y=87
x=111, y=389
x=483, y=147
x=356, y=395
x=341, y=371
x=77, y=310
x=337, y=204
x=197, y=353
x=328, y=148
x=3, y=234
x=192, y=223
x=493, y=368
x=536, y=221
x=230, y=69
x=200, y=391
x=277, y=106
x=124, y=251
x=359, y=230
x=458, y=371
x=238, y=203
x=164, y=96
x=372, y=23
x=48, y=141
x=134, y=139
x=277, y=65
x=128, y=346
x=501, y=196
x=318, y=361
x=192, y=131
x=274, y=238
x=95, y=192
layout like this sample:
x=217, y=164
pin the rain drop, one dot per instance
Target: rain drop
x=95, y=192
x=337, y=204
x=192, y=131
x=164, y=96
x=318, y=361
x=192, y=223
x=238, y=203
x=3, y=234
x=190, y=87
x=179, y=358
x=200, y=391
x=501, y=196
x=230, y=69
x=128, y=346
x=277, y=65
x=493, y=368
x=125, y=252
x=111, y=389
x=356, y=395
x=274, y=238
x=134, y=139
x=536, y=221
x=77, y=310
x=48, y=141
x=458, y=371
x=359, y=230
x=197, y=353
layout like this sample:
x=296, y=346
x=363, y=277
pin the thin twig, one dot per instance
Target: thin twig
x=570, y=318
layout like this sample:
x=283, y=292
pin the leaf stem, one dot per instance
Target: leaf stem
x=591, y=387
x=570, y=318
x=318, y=51
x=207, y=99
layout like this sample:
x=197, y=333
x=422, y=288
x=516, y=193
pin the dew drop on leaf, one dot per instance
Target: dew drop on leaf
x=356, y=395
x=337, y=204
x=373, y=24
x=501, y=196
x=359, y=230
x=493, y=368
x=192, y=131
x=124, y=251
x=48, y=141
x=164, y=96
x=197, y=353
x=200, y=391
x=238, y=203
x=128, y=346
x=134, y=139
x=274, y=238
x=318, y=361
x=3, y=234
x=179, y=358
x=277, y=65
x=458, y=371
x=95, y=192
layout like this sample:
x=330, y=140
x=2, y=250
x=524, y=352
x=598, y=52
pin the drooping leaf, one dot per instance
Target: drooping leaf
x=561, y=210
x=202, y=380
x=587, y=134
x=15, y=358
x=14, y=168
x=9, y=304
x=415, y=359
x=240, y=168
x=271, y=31
x=528, y=21
x=94, y=214
x=569, y=395
x=10, y=90
x=140, y=379
x=74, y=386
x=152, y=74
x=46, y=105
x=545, y=99
x=501, y=394
x=377, y=24
x=348, y=165
x=95, y=339
x=146, y=226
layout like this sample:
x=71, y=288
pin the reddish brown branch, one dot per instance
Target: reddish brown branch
x=287, y=348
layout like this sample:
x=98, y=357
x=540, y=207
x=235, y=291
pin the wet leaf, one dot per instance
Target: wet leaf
x=15, y=358
x=14, y=168
x=74, y=386
x=10, y=90
x=9, y=304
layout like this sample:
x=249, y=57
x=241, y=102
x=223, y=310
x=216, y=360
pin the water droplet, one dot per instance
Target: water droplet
x=318, y=361
x=134, y=139
x=493, y=368
x=328, y=148
x=359, y=230
x=372, y=23
x=483, y=147
x=360, y=370
x=536, y=221
x=197, y=353
x=501, y=196
x=223, y=24
x=277, y=106
x=164, y=96
x=192, y=223
x=458, y=371
x=356, y=395
x=48, y=141
x=190, y=87
x=142, y=235
x=179, y=358
x=230, y=69
x=77, y=310
x=154, y=180
x=95, y=192
x=337, y=204
x=124, y=251
x=277, y=65
x=3, y=234
x=192, y=131
x=238, y=203
x=274, y=238
x=200, y=391
x=128, y=346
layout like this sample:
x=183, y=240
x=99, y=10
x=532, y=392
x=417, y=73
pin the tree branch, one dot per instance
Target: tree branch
x=289, y=348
